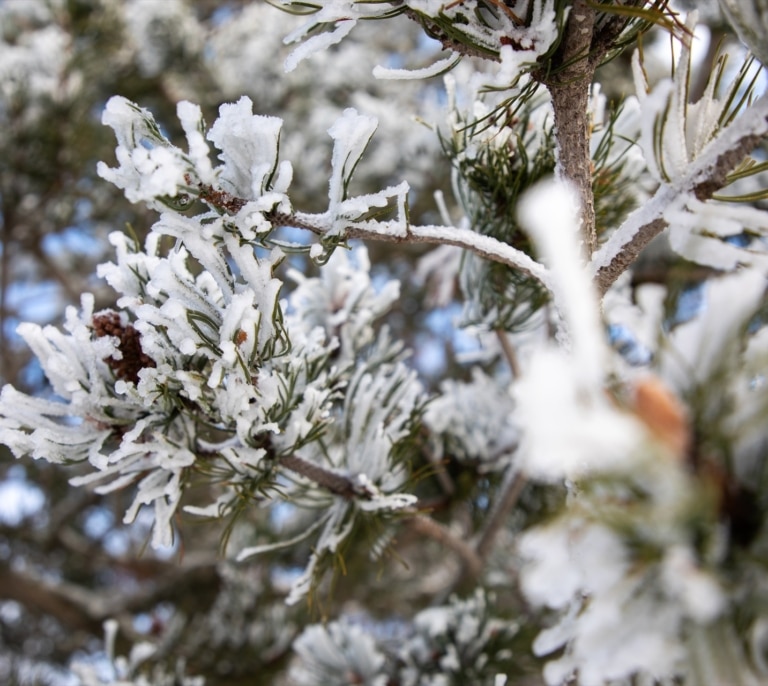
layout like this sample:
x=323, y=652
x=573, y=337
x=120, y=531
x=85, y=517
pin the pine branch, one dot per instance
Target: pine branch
x=512, y=488
x=338, y=484
x=588, y=37
x=398, y=232
x=706, y=176
x=569, y=88
x=433, y=529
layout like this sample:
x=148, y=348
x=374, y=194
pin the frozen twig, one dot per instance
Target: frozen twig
x=705, y=177
x=395, y=232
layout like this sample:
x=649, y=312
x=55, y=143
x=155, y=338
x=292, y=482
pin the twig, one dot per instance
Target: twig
x=446, y=483
x=705, y=176
x=79, y=608
x=398, y=232
x=338, y=484
x=429, y=527
x=483, y=246
x=5, y=260
x=511, y=489
x=509, y=353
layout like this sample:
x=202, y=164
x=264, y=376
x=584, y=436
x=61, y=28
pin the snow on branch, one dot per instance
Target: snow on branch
x=701, y=179
x=489, y=29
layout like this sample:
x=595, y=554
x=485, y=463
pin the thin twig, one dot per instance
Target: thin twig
x=429, y=527
x=5, y=261
x=483, y=246
x=511, y=489
x=338, y=484
x=509, y=353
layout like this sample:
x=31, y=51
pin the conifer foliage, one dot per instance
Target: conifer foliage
x=582, y=501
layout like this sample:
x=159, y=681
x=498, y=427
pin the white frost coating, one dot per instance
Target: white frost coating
x=378, y=408
x=251, y=551
x=145, y=173
x=615, y=619
x=249, y=147
x=35, y=62
x=493, y=32
x=696, y=230
x=682, y=154
x=351, y=134
x=700, y=594
x=674, y=131
x=752, y=122
x=150, y=168
x=342, y=302
x=330, y=653
x=704, y=344
x=191, y=118
x=157, y=29
x=550, y=212
x=463, y=238
x=591, y=435
x=432, y=70
x=316, y=43
x=338, y=526
x=475, y=420
x=127, y=120
x=566, y=558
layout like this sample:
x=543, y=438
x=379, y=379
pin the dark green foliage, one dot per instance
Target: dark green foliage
x=494, y=175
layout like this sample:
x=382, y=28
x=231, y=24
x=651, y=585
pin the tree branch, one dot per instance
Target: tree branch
x=569, y=87
x=82, y=609
x=509, y=352
x=706, y=175
x=588, y=36
x=437, y=531
x=511, y=489
x=398, y=232
x=338, y=484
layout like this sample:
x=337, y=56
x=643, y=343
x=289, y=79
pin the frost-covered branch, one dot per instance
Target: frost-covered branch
x=570, y=87
x=587, y=37
x=704, y=177
x=599, y=466
x=483, y=246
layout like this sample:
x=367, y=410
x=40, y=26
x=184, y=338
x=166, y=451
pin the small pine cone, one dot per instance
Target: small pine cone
x=108, y=323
